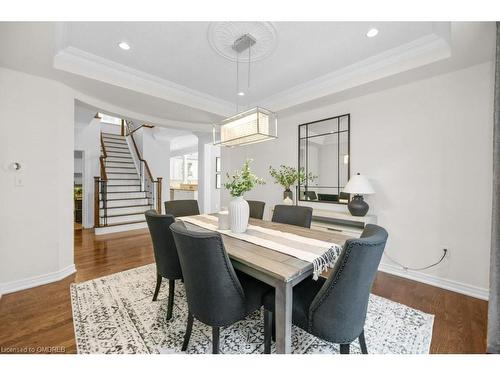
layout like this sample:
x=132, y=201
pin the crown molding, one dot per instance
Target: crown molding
x=76, y=61
x=118, y=111
x=419, y=52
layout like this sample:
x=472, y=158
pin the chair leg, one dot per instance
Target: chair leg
x=157, y=289
x=344, y=348
x=215, y=340
x=187, y=335
x=362, y=343
x=268, y=328
x=170, y=305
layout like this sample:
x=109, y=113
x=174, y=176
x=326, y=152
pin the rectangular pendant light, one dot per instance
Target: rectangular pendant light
x=252, y=126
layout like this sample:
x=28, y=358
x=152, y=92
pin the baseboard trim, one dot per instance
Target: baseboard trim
x=31, y=282
x=440, y=282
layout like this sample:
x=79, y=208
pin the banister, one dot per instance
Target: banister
x=158, y=180
x=142, y=126
x=104, y=175
x=140, y=157
x=158, y=196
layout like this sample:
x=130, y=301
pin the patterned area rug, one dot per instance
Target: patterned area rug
x=115, y=314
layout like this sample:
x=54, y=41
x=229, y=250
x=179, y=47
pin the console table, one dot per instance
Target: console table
x=342, y=222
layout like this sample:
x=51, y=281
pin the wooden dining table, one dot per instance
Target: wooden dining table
x=278, y=270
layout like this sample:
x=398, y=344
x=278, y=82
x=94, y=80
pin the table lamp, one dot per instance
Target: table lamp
x=358, y=185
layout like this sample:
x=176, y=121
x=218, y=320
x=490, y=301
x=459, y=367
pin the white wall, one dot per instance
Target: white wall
x=427, y=148
x=36, y=219
x=87, y=138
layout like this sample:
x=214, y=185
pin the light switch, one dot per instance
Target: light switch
x=19, y=181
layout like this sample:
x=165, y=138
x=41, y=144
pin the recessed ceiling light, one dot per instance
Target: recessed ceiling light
x=124, y=45
x=241, y=93
x=371, y=33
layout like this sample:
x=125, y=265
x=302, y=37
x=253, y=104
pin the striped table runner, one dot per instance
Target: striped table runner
x=321, y=254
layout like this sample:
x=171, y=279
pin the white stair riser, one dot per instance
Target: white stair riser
x=111, y=159
x=115, y=143
x=125, y=176
x=132, y=195
x=114, y=154
x=113, y=136
x=124, y=210
x=110, y=170
x=116, y=189
x=123, y=181
x=125, y=219
x=115, y=164
x=116, y=148
x=126, y=202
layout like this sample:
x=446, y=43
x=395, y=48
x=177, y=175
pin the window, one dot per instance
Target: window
x=110, y=119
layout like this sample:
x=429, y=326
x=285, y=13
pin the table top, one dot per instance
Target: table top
x=273, y=263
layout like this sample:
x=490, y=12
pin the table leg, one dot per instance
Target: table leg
x=283, y=312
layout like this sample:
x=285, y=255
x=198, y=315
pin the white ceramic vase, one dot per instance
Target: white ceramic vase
x=239, y=212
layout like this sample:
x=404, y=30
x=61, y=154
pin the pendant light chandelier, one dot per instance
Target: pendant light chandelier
x=250, y=126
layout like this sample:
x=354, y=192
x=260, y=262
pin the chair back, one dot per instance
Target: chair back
x=214, y=293
x=294, y=215
x=256, y=209
x=167, y=261
x=183, y=207
x=337, y=313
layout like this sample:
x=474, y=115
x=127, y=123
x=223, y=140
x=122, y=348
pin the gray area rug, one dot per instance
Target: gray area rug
x=115, y=314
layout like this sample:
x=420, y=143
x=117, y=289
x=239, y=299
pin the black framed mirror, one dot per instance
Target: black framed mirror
x=324, y=156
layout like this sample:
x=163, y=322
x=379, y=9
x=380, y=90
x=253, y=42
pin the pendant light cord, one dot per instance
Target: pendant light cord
x=237, y=81
x=249, y=62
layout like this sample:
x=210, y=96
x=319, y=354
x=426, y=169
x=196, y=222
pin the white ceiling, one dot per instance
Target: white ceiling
x=180, y=52
x=173, y=77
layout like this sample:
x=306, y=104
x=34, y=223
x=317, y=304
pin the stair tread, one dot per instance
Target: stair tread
x=132, y=205
x=121, y=199
x=116, y=152
x=128, y=191
x=127, y=214
x=114, y=135
x=125, y=223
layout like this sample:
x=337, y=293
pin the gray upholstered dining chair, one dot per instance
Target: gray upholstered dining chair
x=216, y=294
x=182, y=207
x=167, y=261
x=335, y=309
x=256, y=209
x=294, y=215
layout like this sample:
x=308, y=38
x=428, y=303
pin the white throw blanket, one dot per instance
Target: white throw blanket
x=321, y=254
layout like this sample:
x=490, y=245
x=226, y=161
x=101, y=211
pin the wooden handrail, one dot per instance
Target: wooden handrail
x=140, y=157
x=142, y=126
x=146, y=165
x=102, y=159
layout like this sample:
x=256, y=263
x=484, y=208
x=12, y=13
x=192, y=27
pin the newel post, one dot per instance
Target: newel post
x=158, y=196
x=96, y=202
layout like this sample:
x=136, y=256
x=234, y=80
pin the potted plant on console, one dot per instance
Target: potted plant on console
x=238, y=184
x=288, y=176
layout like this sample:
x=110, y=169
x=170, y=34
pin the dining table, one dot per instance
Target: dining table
x=277, y=269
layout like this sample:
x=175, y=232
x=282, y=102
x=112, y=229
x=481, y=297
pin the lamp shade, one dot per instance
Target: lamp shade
x=359, y=184
x=252, y=126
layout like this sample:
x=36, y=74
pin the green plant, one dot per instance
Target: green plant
x=242, y=181
x=288, y=176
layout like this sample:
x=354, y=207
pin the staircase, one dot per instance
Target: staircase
x=122, y=190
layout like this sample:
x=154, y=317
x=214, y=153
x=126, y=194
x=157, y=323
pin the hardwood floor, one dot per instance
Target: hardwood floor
x=40, y=319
